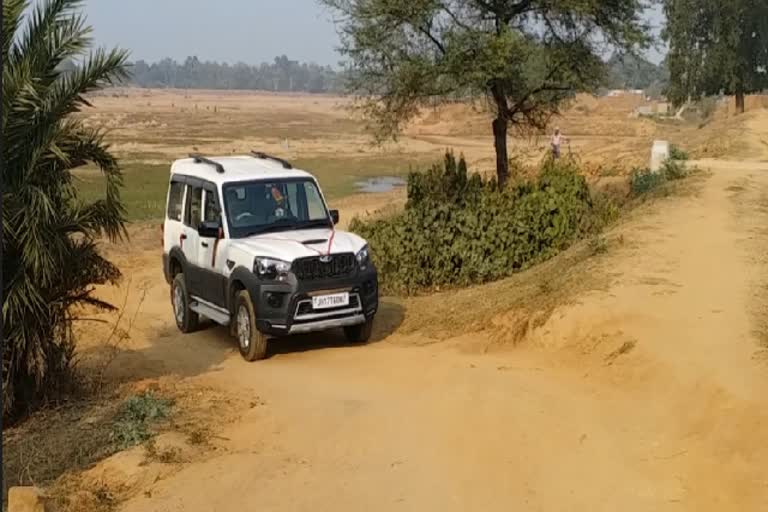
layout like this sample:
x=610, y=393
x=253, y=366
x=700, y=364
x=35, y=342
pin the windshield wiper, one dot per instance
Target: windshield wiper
x=270, y=229
x=322, y=223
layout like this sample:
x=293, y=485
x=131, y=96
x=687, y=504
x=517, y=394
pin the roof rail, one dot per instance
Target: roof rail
x=200, y=159
x=259, y=154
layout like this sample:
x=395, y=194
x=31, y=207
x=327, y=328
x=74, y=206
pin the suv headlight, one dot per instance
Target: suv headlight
x=363, y=257
x=270, y=268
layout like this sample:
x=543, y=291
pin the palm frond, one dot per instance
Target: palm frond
x=13, y=16
x=51, y=260
x=41, y=110
x=44, y=19
x=102, y=69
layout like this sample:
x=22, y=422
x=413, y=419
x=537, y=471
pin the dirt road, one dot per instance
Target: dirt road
x=650, y=395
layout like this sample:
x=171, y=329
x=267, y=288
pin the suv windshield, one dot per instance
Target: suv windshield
x=255, y=207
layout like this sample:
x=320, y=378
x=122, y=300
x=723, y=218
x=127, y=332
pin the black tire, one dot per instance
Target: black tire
x=251, y=342
x=186, y=320
x=360, y=333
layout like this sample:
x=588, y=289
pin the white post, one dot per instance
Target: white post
x=659, y=153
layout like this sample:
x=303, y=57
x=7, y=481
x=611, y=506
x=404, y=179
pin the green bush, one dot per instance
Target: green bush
x=643, y=180
x=135, y=416
x=458, y=229
x=446, y=184
x=675, y=153
x=673, y=169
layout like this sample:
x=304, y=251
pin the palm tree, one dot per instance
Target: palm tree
x=50, y=260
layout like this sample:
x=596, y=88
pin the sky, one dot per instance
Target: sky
x=250, y=31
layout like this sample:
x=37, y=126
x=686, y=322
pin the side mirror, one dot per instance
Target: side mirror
x=209, y=229
x=335, y=216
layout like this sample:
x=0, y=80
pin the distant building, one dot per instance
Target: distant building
x=622, y=92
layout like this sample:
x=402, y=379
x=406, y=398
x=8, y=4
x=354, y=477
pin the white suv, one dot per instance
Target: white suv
x=248, y=241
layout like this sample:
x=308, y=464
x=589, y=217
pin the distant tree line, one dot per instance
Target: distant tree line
x=285, y=75
x=282, y=75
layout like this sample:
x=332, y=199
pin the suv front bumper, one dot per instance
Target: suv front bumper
x=286, y=308
x=324, y=325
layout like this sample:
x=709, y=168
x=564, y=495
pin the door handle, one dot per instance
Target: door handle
x=205, y=244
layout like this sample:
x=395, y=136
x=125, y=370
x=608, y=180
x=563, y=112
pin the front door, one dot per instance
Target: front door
x=190, y=241
x=211, y=278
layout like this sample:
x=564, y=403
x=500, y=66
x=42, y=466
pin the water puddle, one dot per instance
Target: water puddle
x=379, y=184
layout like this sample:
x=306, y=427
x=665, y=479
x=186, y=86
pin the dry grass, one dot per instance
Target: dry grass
x=73, y=437
x=536, y=291
x=67, y=438
x=151, y=128
x=163, y=455
x=751, y=204
x=54, y=446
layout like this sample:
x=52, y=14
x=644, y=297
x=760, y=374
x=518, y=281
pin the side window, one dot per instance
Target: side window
x=212, y=208
x=194, y=207
x=175, y=201
x=314, y=202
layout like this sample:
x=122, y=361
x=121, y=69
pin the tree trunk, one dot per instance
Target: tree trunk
x=500, y=143
x=739, y=101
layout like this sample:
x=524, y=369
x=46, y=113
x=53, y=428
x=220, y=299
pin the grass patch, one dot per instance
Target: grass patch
x=643, y=180
x=53, y=441
x=676, y=153
x=598, y=245
x=337, y=176
x=144, y=192
x=76, y=435
x=673, y=169
x=135, y=418
x=52, y=447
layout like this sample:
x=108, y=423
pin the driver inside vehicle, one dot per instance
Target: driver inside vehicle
x=276, y=202
x=257, y=204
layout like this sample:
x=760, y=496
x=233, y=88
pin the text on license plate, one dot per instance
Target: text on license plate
x=330, y=301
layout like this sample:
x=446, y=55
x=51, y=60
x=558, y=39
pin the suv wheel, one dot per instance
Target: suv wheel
x=360, y=333
x=251, y=342
x=186, y=319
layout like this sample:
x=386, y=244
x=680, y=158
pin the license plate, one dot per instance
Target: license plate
x=330, y=301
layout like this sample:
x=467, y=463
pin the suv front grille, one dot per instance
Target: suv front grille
x=308, y=269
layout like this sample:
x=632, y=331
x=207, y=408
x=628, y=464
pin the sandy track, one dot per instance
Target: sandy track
x=650, y=395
